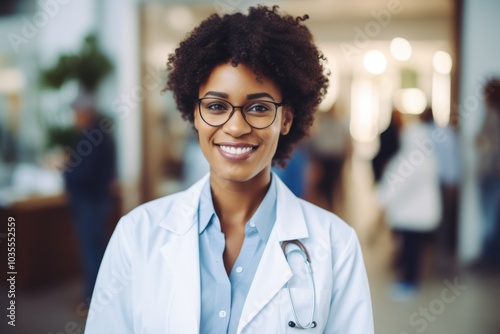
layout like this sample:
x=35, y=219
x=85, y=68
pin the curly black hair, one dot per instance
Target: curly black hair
x=274, y=45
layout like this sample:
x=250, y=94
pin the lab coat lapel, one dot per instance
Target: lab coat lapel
x=271, y=275
x=273, y=271
x=181, y=252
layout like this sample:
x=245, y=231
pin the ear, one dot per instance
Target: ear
x=286, y=121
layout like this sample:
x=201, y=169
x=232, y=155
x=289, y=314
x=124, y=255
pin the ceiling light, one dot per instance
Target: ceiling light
x=401, y=49
x=375, y=62
x=442, y=62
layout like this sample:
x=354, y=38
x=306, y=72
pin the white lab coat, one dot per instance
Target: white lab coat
x=409, y=190
x=149, y=280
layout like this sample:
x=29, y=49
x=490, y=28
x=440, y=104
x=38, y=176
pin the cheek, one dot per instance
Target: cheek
x=272, y=136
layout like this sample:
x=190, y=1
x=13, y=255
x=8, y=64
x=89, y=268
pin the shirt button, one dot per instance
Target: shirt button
x=239, y=270
x=252, y=224
x=222, y=313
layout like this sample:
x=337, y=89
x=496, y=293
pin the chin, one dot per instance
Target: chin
x=239, y=174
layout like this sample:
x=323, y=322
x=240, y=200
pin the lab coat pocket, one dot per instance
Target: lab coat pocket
x=303, y=304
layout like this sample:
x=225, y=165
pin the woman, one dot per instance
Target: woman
x=210, y=259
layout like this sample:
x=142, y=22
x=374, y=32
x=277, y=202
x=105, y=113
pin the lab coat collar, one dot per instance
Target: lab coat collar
x=290, y=223
x=185, y=209
x=182, y=220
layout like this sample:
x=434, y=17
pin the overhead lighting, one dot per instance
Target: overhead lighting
x=401, y=49
x=410, y=101
x=364, y=110
x=375, y=62
x=442, y=62
x=441, y=91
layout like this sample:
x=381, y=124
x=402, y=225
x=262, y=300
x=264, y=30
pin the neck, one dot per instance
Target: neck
x=236, y=202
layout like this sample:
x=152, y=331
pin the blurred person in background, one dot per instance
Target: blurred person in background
x=488, y=145
x=445, y=146
x=88, y=179
x=409, y=193
x=229, y=254
x=329, y=147
x=389, y=145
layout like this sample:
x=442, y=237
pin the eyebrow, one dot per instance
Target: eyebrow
x=217, y=94
x=258, y=96
x=249, y=96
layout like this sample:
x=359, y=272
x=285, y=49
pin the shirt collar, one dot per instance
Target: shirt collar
x=263, y=218
x=206, y=209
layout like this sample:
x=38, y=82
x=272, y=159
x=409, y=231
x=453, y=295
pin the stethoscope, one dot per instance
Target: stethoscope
x=305, y=255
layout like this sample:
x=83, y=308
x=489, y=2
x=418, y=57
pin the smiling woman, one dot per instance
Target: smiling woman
x=238, y=252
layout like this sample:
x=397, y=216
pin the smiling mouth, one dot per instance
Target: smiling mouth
x=236, y=150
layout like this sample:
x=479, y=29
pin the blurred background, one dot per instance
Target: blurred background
x=85, y=76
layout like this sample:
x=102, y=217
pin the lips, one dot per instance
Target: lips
x=236, y=151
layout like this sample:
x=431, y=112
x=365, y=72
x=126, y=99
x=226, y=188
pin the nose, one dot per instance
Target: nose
x=236, y=126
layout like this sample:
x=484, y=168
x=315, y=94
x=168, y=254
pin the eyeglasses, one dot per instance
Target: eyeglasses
x=258, y=114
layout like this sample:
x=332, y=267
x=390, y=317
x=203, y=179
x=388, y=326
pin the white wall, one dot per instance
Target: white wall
x=480, y=59
x=119, y=34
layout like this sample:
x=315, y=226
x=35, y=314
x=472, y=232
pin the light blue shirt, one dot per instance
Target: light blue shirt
x=223, y=297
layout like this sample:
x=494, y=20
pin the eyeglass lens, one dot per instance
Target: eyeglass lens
x=259, y=114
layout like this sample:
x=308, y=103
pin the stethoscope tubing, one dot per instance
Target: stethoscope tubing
x=303, y=252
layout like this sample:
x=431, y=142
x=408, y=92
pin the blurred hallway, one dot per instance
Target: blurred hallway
x=474, y=308
x=468, y=308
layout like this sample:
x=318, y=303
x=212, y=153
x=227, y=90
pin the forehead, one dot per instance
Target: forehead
x=238, y=81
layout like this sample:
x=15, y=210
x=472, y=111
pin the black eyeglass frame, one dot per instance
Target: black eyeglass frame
x=276, y=105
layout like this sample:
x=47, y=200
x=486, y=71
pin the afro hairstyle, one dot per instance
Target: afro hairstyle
x=274, y=45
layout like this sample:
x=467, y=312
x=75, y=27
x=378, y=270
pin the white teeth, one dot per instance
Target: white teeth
x=236, y=151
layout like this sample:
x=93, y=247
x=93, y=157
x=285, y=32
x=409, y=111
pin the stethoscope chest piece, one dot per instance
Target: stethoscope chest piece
x=294, y=325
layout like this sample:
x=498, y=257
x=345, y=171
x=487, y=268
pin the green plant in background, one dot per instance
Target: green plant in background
x=88, y=67
x=61, y=136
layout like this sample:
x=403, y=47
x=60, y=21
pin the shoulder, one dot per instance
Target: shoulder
x=144, y=221
x=153, y=211
x=172, y=212
x=320, y=224
x=316, y=216
x=326, y=228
